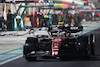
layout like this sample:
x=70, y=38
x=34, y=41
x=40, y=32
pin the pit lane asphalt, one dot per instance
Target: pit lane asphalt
x=93, y=62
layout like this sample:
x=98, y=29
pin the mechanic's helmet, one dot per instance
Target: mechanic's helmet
x=49, y=13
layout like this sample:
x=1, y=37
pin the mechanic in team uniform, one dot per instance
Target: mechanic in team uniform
x=74, y=18
x=54, y=21
x=49, y=22
x=61, y=22
x=9, y=21
x=71, y=14
x=46, y=20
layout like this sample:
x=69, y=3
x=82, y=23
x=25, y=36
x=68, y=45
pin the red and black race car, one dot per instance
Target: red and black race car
x=59, y=43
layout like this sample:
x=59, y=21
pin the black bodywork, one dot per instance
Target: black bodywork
x=77, y=45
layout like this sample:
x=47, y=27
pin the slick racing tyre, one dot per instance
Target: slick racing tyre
x=30, y=46
x=85, y=47
x=92, y=42
x=29, y=58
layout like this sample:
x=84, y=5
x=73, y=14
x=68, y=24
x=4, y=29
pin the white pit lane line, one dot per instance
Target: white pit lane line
x=10, y=55
x=11, y=59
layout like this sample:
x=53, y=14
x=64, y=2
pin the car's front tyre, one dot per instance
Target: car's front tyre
x=29, y=46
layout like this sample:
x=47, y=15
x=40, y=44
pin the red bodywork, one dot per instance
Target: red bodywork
x=56, y=41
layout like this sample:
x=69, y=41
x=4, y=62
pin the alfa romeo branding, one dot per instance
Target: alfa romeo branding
x=56, y=41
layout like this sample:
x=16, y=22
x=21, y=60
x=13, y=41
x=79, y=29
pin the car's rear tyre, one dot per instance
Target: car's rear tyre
x=92, y=42
x=88, y=49
x=88, y=55
x=85, y=46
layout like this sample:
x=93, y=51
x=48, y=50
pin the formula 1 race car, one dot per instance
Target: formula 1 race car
x=58, y=42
